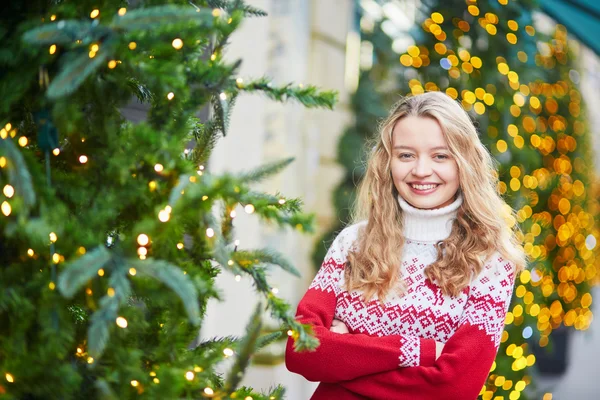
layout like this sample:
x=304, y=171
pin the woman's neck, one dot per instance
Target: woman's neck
x=432, y=225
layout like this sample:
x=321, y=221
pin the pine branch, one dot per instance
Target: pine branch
x=266, y=340
x=142, y=92
x=267, y=256
x=222, y=109
x=18, y=173
x=183, y=182
x=265, y=171
x=78, y=272
x=245, y=351
x=103, y=319
x=206, y=136
x=237, y=6
x=147, y=19
x=76, y=71
x=65, y=32
x=104, y=390
x=173, y=278
x=309, y=95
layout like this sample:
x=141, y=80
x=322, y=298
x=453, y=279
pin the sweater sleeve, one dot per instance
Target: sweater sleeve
x=348, y=356
x=462, y=369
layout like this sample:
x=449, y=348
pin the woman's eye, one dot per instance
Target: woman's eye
x=404, y=155
x=442, y=157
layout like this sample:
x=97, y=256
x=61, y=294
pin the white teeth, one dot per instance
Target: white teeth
x=424, y=187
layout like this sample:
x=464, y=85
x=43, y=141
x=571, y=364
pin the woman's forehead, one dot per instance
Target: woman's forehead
x=418, y=132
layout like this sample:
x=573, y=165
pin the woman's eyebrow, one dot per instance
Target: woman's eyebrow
x=412, y=148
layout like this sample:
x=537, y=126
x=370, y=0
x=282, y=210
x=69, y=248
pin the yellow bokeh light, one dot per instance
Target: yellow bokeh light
x=94, y=13
x=515, y=184
x=121, y=322
x=479, y=108
x=469, y=97
x=473, y=10
x=6, y=208
x=437, y=17
x=503, y=68
x=143, y=239
x=413, y=51
x=501, y=146
x=177, y=43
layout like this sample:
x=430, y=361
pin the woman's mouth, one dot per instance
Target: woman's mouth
x=423, y=189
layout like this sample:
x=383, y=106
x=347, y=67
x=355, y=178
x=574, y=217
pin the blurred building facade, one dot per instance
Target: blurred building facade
x=304, y=42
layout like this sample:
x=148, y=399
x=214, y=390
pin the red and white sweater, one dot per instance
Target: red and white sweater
x=390, y=350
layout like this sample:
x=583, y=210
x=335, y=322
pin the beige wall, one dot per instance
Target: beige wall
x=301, y=41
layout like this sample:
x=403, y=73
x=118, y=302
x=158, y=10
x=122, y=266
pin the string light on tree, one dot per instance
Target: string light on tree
x=121, y=322
x=6, y=208
x=94, y=13
x=189, y=375
x=83, y=159
x=8, y=191
x=122, y=11
x=163, y=216
x=177, y=43
x=143, y=239
x=170, y=96
x=249, y=208
x=210, y=232
x=9, y=378
x=56, y=151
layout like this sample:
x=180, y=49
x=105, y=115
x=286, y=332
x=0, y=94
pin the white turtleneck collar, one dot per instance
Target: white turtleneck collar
x=428, y=225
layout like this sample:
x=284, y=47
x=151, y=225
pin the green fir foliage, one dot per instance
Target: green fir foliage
x=109, y=239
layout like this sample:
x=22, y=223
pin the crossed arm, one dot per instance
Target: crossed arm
x=400, y=366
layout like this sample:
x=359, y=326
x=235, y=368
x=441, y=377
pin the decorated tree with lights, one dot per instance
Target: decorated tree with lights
x=112, y=231
x=521, y=88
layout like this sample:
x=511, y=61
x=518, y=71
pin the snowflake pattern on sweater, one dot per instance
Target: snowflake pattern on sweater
x=397, y=339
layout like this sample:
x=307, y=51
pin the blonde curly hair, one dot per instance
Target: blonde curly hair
x=480, y=228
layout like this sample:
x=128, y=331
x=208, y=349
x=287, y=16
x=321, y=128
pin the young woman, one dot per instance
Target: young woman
x=411, y=299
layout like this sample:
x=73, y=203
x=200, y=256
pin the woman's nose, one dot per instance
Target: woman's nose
x=422, y=168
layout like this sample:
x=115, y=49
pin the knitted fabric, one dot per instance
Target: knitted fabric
x=390, y=350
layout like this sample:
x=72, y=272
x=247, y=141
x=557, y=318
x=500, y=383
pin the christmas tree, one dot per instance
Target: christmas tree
x=112, y=231
x=521, y=88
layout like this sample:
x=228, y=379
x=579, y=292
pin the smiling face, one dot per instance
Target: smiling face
x=423, y=169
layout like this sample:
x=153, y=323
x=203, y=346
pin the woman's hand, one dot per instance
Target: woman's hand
x=338, y=326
